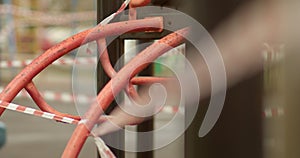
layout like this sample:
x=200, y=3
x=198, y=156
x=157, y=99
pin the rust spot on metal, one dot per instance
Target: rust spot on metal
x=8, y=89
x=62, y=50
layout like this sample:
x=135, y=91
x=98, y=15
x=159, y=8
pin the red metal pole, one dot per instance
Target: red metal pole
x=41, y=103
x=133, y=5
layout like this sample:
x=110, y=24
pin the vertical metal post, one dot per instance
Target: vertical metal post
x=104, y=9
x=148, y=125
x=145, y=127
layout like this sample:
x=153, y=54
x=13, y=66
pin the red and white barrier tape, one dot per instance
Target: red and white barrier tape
x=35, y=112
x=273, y=112
x=59, y=62
x=84, y=99
x=46, y=18
x=267, y=112
x=103, y=149
x=109, y=18
x=55, y=96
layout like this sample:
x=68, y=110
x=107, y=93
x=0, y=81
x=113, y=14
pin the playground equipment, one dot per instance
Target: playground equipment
x=106, y=96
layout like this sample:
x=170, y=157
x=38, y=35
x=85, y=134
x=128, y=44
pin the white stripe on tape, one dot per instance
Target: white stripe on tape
x=61, y=61
x=12, y=106
x=67, y=120
x=48, y=115
x=29, y=111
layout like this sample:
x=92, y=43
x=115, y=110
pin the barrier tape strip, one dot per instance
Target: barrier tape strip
x=84, y=99
x=273, y=112
x=35, y=112
x=104, y=151
x=109, y=18
x=267, y=112
x=46, y=18
x=62, y=61
x=55, y=96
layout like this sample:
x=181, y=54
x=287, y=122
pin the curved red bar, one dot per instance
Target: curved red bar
x=115, y=85
x=139, y=3
x=38, y=99
x=52, y=54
